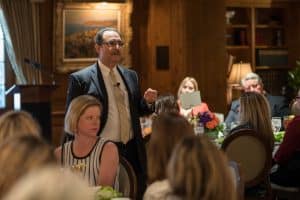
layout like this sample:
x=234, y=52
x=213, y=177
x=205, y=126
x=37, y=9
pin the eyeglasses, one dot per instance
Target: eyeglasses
x=114, y=43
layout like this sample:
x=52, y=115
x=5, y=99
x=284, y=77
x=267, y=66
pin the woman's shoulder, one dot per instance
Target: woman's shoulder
x=106, y=144
x=158, y=190
x=202, y=107
x=294, y=125
x=296, y=119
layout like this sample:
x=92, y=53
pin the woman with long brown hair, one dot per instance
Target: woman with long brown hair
x=255, y=114
x=20, y=155
x=199, y=170
x=168, y=129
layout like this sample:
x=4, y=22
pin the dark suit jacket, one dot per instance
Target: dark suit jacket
x=278, y=105
x=90, y=81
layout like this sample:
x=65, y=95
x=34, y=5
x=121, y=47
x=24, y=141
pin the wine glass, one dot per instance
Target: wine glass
x=276, y=124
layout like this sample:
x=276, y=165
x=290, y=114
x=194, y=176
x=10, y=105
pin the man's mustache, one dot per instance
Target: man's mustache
x=117, y=53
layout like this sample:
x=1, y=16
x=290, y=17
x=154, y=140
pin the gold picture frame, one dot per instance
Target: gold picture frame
x=75, y=25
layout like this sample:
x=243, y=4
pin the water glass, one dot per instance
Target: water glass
x=146, y=125
x=286, y=120
x=276, y=124
x=226, y=129
x=198, y=129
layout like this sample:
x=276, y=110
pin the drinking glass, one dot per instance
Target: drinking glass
x=198, y=129
x=146, y=125
x=286, y=120
x=276, y=124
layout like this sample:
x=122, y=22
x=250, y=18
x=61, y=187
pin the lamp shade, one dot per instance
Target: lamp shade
x=238, y=71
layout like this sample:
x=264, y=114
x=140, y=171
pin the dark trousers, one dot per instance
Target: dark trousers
x=129, y=151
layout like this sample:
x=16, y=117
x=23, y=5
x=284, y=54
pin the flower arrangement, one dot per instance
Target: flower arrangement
x=107, y=193
x=210, y=122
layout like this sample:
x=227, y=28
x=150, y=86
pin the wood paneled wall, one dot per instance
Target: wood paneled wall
x=166, y=28
x=205, y=50
x=293, y=36
x=193, y=30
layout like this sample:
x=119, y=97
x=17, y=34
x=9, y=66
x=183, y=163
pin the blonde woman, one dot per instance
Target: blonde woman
x=94, y=157
x=189, y=85
x=60, y=185
x=20, y=155
x=198, y=170
x=255, y=114
x=17, y=123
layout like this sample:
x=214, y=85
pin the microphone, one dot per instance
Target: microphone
x=33, y=63
x=38, y=67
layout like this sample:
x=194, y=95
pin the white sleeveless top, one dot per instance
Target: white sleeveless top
x=87, y=165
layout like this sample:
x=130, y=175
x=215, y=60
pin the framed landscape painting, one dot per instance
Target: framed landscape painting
x=75, y=26
x=80, y=28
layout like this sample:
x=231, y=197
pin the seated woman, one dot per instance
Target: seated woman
x=189, y=85
x=288, y=154
x=168, y=129
x=255, y=114
x=17, y=123
x=166, y=103
x=20, y=155
x=198, y=170
x=95, y=157
x=60, y=186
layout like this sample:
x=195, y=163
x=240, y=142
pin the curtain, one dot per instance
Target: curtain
x=20, y=23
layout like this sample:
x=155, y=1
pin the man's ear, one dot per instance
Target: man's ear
x=97, y=48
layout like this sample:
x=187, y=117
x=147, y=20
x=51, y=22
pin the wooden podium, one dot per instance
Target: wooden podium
x=36, y=99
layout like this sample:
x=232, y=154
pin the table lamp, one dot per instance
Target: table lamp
x=237, y=72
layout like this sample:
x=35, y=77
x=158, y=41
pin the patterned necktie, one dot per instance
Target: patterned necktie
x=124, y=122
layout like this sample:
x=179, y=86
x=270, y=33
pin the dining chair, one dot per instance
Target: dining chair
x=282, y=192
x=289, y=171
x=253, y=155
x=127, y=179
